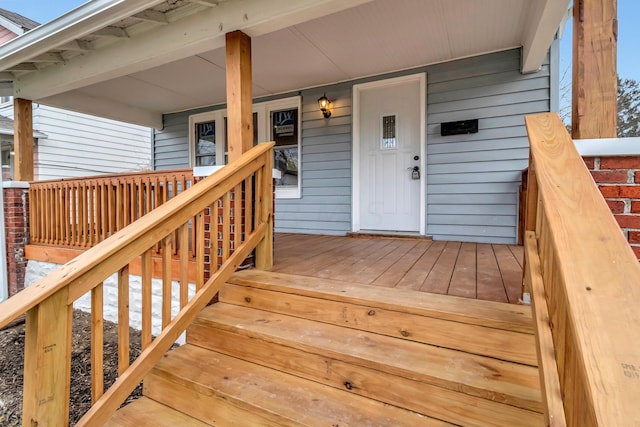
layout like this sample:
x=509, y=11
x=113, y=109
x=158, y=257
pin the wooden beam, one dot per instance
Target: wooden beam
x=152, y=16
x=48, y=57
x=110, y=32
x=542, y=24
x=239, y=99
x=23, y=139
x=595, y=79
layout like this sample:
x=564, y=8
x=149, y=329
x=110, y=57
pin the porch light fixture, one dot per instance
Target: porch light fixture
x=325, y=106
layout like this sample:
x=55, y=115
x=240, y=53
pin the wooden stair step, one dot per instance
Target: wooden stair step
x=455, y=386
x=497, y=315
x=226, y=391
x=384, y=318
x=148, y=412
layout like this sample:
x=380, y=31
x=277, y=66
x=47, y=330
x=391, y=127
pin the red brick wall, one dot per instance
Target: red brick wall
x=619, y=181
x=16, y=217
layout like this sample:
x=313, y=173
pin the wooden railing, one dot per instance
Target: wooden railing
x=48, y=303
x=585, y=284
x=81, y=212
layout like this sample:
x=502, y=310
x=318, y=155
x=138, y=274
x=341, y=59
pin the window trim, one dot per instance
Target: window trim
x=263, y=109
x=289, y=192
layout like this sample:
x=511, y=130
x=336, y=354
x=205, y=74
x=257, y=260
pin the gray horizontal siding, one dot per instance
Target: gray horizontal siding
x=325, y=205
x=472, y=180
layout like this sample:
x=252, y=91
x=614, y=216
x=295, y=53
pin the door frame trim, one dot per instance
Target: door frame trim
x=355, y=182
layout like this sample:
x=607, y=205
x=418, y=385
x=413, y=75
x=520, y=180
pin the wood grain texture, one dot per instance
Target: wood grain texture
x=378, y=367
x=123, y=319
x=231, y=391
x=97, y=342
x=239, y=98
x=47, y=362
x=391, y=321
x=595, y=76
x=591, y=276
x=547, y=366
x=142, y=410
x=23, y=139
x=488, y=313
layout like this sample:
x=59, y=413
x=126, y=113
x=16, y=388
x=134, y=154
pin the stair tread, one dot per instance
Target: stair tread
x=502, y=344
x=475, y=375
x=147, y=412
x=281, y=399
x=487, y=313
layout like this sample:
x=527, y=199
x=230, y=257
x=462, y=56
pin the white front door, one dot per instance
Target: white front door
x=388, y=140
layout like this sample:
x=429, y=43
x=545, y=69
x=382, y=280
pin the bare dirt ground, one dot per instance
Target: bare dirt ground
x=12, y=365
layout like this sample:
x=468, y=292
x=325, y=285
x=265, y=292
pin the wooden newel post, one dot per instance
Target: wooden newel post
x=23, y=139
x=264, y=213
x=47, y=362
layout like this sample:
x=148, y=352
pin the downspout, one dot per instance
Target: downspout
x=4, y=284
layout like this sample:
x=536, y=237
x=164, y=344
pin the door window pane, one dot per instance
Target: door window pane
x=206, y=143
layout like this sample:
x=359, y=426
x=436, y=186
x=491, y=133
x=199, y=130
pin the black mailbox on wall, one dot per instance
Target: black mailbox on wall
x=460, y=127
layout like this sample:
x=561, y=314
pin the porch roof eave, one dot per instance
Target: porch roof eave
x=162, y=38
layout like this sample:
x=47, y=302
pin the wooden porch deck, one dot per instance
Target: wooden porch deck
x=472, y=270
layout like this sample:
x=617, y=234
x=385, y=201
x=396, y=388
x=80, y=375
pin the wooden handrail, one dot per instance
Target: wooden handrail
x=48, y=303
x=590, y=286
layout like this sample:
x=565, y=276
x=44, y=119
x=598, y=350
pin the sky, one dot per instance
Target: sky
x=628, y=29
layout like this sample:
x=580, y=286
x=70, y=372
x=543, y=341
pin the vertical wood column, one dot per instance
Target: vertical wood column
x=23, y=139
x=239, y=99
x=595, y=79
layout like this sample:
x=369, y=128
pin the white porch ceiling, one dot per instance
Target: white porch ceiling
x=290, y=51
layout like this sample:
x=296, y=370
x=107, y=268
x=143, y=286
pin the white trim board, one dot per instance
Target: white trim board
x=355, y=180
x=608, y=147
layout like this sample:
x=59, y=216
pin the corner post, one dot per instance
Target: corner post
x=239, y=97
x=23, y=139
x=595, y=78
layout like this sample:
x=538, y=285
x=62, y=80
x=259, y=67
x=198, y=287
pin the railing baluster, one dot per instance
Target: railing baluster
x=184, y=264
x=166, y=280
x=248, y=205
x=56, y=215
x=90, y=214
x=237, y=216
x=123, y=319
x=199, y=248
x=97, y=342
x=133, y=199
x=226, y=226
x=146, y=311
x=67, y=214
x=74, y=215
x=85, y=213
x=140, y=190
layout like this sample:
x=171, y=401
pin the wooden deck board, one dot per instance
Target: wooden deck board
x=490, y=285
x=463, y=282
x=482, y=271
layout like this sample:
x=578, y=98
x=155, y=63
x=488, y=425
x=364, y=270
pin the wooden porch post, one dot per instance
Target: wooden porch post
x=23, y=139
x=239, y=99
x=595, y=79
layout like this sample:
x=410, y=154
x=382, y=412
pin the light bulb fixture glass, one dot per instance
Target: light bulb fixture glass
x=325, y=106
